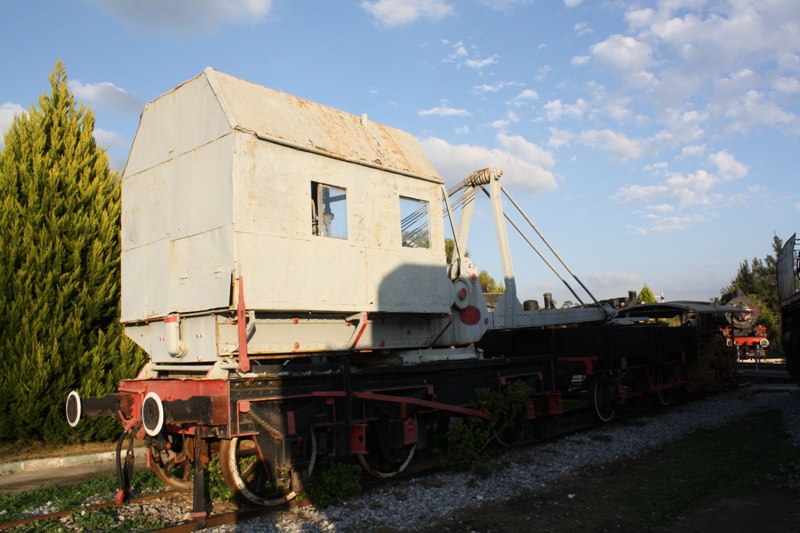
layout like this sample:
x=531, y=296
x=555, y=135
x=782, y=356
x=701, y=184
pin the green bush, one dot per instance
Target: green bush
x=337, y=480
x=467, y=440
x=217, y=488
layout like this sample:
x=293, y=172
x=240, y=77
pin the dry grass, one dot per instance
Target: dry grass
x=25, y=451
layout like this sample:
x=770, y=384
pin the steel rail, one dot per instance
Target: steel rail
x=94, y=507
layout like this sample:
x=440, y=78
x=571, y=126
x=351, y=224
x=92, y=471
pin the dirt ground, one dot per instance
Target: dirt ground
x=767, y=512
x=742, y=477
x=25, y=451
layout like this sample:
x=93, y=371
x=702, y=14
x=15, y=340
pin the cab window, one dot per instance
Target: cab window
x=414, y=229
x=328, y=211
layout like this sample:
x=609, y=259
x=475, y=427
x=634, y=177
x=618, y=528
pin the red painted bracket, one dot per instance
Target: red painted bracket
x=241, y=322
x=449, y=323
x=362, y=325
x=422, y=403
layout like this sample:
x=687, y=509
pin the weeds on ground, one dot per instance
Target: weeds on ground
x=466, y=443
x=100, y=521
x=337, y=480
x=668, y=489
x=725, y=462
x=215, y=483
x=55, y=498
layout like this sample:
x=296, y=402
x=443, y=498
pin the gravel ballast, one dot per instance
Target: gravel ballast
x=531, y=469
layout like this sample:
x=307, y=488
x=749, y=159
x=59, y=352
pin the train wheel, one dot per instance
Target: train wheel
x=312, y=460
x=380, y=468
x=172, y=467
x=248, y=477
x=512, y=434
x=602, y=394
x=665, y=377
x=377, y=464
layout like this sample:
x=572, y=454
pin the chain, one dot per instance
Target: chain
x=264, y=424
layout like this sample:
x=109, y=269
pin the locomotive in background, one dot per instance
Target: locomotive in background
x=742, y=329
x=283, y=265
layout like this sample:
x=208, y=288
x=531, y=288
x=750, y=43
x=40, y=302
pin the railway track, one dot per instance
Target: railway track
x=764, y=372
x=93, y=507
x=575, y=422
x=578, y=420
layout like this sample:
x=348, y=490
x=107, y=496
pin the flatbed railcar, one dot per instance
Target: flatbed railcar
x=284, y=266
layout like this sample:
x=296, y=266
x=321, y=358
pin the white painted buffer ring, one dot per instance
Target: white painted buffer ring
x=73, y=408
x=152, y=414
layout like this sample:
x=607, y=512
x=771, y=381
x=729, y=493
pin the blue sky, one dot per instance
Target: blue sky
x=652, y=142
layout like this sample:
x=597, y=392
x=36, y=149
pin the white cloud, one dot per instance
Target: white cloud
x=555, y=109
x=682, y=127
x=185, y=16
x=641, y=193
x=106, y=138
x=797, y=206
x=525, y=165
x=626, y=55
x=443, y=111
x=573, y=3
x=671, y=224
x=581, y=60
x=662, y=209
x=523, y=97
x=460, y=54
x=479, y=64
x=396, y=12
x=482, y=89
x=511, y=118
x=460, y=50
x=692, y=190
x=723, y=32
x=616, y=109
x=786, y=85
x=657, y=167
x=543, y=72
x=559, y=138
x=7, y=112
x=756, y=109
x=688, y=193
x=611, y=141
x=615, y=280
x=504, y=5
x=714, y=56
x=107, y=95
x=582, y=28
x=729, y=168
x=693, y=150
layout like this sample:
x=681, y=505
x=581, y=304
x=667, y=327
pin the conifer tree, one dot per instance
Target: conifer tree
x=59, y=269
x=646, y=295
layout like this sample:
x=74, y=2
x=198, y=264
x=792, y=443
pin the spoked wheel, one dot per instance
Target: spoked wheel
x=665, y=377
x=512, y=434
x=248, y=477
x=602, y=394
x=312, y=460
x=378, y=464
x=173, y=466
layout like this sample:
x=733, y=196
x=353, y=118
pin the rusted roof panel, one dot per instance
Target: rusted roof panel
x=265, y=111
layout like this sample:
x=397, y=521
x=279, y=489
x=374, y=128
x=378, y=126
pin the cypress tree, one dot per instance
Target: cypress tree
x=59, y=269
x=646, y=295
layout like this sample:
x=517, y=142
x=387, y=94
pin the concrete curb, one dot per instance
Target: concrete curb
x=46, y=464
